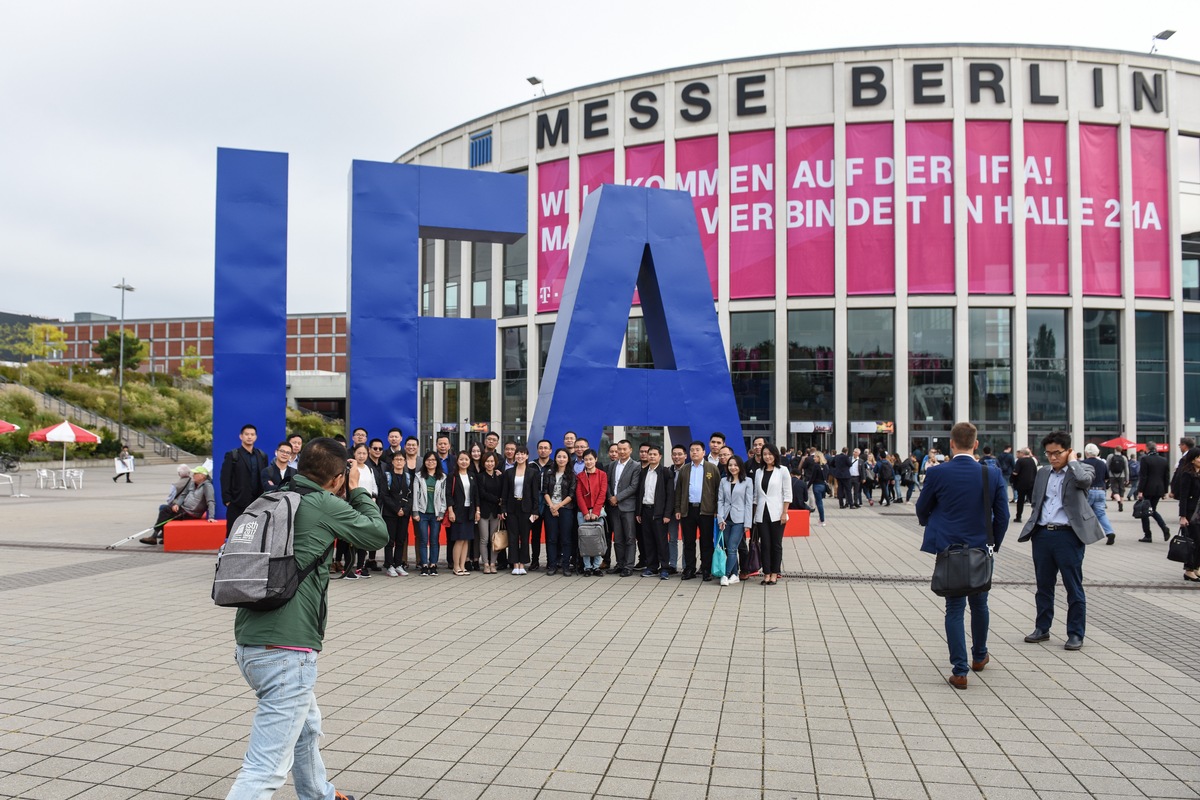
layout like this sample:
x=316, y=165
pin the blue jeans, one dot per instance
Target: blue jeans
x=428, y=534
x=560, y=533
x=673, y=542
x=735, y=532
x=1096, y=501
x=819, y=490
x=286, y=727
x=956, y=636
x=1055, y=553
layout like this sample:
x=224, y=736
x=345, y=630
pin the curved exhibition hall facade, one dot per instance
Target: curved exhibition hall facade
x=896, y=238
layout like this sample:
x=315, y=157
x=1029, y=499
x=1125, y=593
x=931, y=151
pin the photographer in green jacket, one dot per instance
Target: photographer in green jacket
x=277, y=650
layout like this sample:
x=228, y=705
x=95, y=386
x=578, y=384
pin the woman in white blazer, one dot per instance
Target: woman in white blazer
x=772, y=495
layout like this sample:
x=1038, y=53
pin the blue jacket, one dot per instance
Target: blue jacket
x=949, y=505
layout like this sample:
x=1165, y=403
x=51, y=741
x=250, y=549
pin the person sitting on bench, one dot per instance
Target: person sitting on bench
x=197, y=500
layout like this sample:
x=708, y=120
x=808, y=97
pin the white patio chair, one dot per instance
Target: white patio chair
x=74, y=478
x=46, y=479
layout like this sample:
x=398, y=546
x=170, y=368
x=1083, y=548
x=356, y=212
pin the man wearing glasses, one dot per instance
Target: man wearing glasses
x=1061, y=523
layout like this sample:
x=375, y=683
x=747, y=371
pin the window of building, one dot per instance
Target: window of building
x=810, y=365
x=481, y=148
x=637, y=345
x=453, y=278
x=990, y=379
x=427, y=267
x=426, y=415
x=871, y=365
x=481, y=402
x=545, y=336
x=1189, y=213
x=516, y=278
x=1150, y=344
x=515, y=374
x=481, y=280
x=1048, y=365
x=931, y=366
x=1191, y=373
x=752, y=367
x=450, y=402
x=1101, y=368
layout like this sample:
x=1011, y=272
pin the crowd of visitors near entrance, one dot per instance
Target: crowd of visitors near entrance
x=663, y=514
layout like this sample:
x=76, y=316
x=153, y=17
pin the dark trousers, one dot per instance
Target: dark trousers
x=394, y=552
x=693, y=525
x=843, y=492
x=770, y=543
x=560, y=536
x=518, y=537
x=535, y=540
x=656, y=555
x=624, y=526
x=1059, y=552
x=1153, y=514
x=1023, y=497
x=232, y=512
x=853, y=494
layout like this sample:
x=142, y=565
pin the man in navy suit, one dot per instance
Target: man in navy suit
x=953, y=511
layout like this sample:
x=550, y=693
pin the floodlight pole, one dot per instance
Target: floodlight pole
x=123, y=287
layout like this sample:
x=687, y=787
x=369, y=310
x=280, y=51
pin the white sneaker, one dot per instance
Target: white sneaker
x=524, y=571
x=516, y=570
x=724, y=581
x=391, y=572
x=400, y=572
x=734, y=579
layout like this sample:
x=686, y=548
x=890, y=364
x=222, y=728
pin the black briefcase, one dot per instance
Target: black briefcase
x=962, y=571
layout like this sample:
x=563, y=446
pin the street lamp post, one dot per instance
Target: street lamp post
x=123, y=287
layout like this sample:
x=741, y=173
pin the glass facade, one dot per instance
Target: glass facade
x=450, y=402
x=1048, y=369
x=427, y=265
x=481, y=402
x=453, y=280
x=545, y=336
x=1150, y=343
x=481, y=280
x=931, y=367
x=516, y=278
x=752, y=367
x=514, y=420
x=637, y=346
x=810, y=366
x=1101, y=366
x=1191, y=373
x=991, y=370
x=871, y=364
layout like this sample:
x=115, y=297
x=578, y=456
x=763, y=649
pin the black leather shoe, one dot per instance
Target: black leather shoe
x=1038, y=635
x=1166, y=535
x=1145, y=539
x=614, y=571
x=625, y=573
x=687, y=575
x=1073, y=643
x=1112, y=538
x=707, y=577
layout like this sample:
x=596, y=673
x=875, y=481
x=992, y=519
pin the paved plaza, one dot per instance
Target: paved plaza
x=117, y=678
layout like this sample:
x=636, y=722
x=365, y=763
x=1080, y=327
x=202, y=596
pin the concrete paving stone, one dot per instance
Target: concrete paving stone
x=626, y=787
x=886, y=789
x=843, y=785
x=400, y=785
x=447, y=790
x=1160, y=788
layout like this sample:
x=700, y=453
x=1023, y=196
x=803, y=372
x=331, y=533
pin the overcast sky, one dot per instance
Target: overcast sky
x=111, y=112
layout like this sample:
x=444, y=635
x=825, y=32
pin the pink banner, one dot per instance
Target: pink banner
x=752, y=214
x=552, y=255
x=594, y=169
x=1151, y=238
x=1100, y=210
x=1045, y=180
x=929, y=176
x=810, y=214
x=870, y=209
x=696, y=174
x=989, y=208
x=646, y=166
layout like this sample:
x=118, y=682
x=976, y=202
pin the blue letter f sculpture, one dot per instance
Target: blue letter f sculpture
x=645, y=238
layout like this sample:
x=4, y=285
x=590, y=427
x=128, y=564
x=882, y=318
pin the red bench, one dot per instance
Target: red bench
x=193, y=534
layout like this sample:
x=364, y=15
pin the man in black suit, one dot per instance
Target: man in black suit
x=1023, y=474
x=655, y=503
x=241, y=476
x=841, y=471
x=1185, y=444
x=1152, y=485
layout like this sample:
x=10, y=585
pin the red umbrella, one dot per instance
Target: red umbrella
x=8, y=427
x=66, y=433
x=1121, y=443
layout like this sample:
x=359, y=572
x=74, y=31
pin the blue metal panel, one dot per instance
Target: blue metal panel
x=645, y=238
x=250, y=301
x=390, y=347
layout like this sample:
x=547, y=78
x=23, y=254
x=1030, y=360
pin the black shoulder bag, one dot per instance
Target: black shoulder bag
x=962, y=571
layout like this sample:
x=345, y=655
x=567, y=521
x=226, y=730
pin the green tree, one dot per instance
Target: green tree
x=191, y=368
x=109, y=350
x=32, y=341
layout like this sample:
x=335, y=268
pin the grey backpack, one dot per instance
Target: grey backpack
x=256, y=567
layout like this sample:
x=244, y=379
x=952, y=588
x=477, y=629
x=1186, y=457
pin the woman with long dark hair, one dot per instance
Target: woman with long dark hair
x=1189, y=501
x=460, y=510
x=558, y=490
x=429, y=506
x=521, y=499
x=735, y=511
x=487, y=512
x=772, y=494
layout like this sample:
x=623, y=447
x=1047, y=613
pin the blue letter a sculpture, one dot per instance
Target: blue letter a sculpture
x=645, y=238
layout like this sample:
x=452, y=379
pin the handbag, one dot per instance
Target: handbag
x=1181, y=548
x=500, y=537
x=962, y=571
x=1141, y=509
x=753, y=557
x=718, y=557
